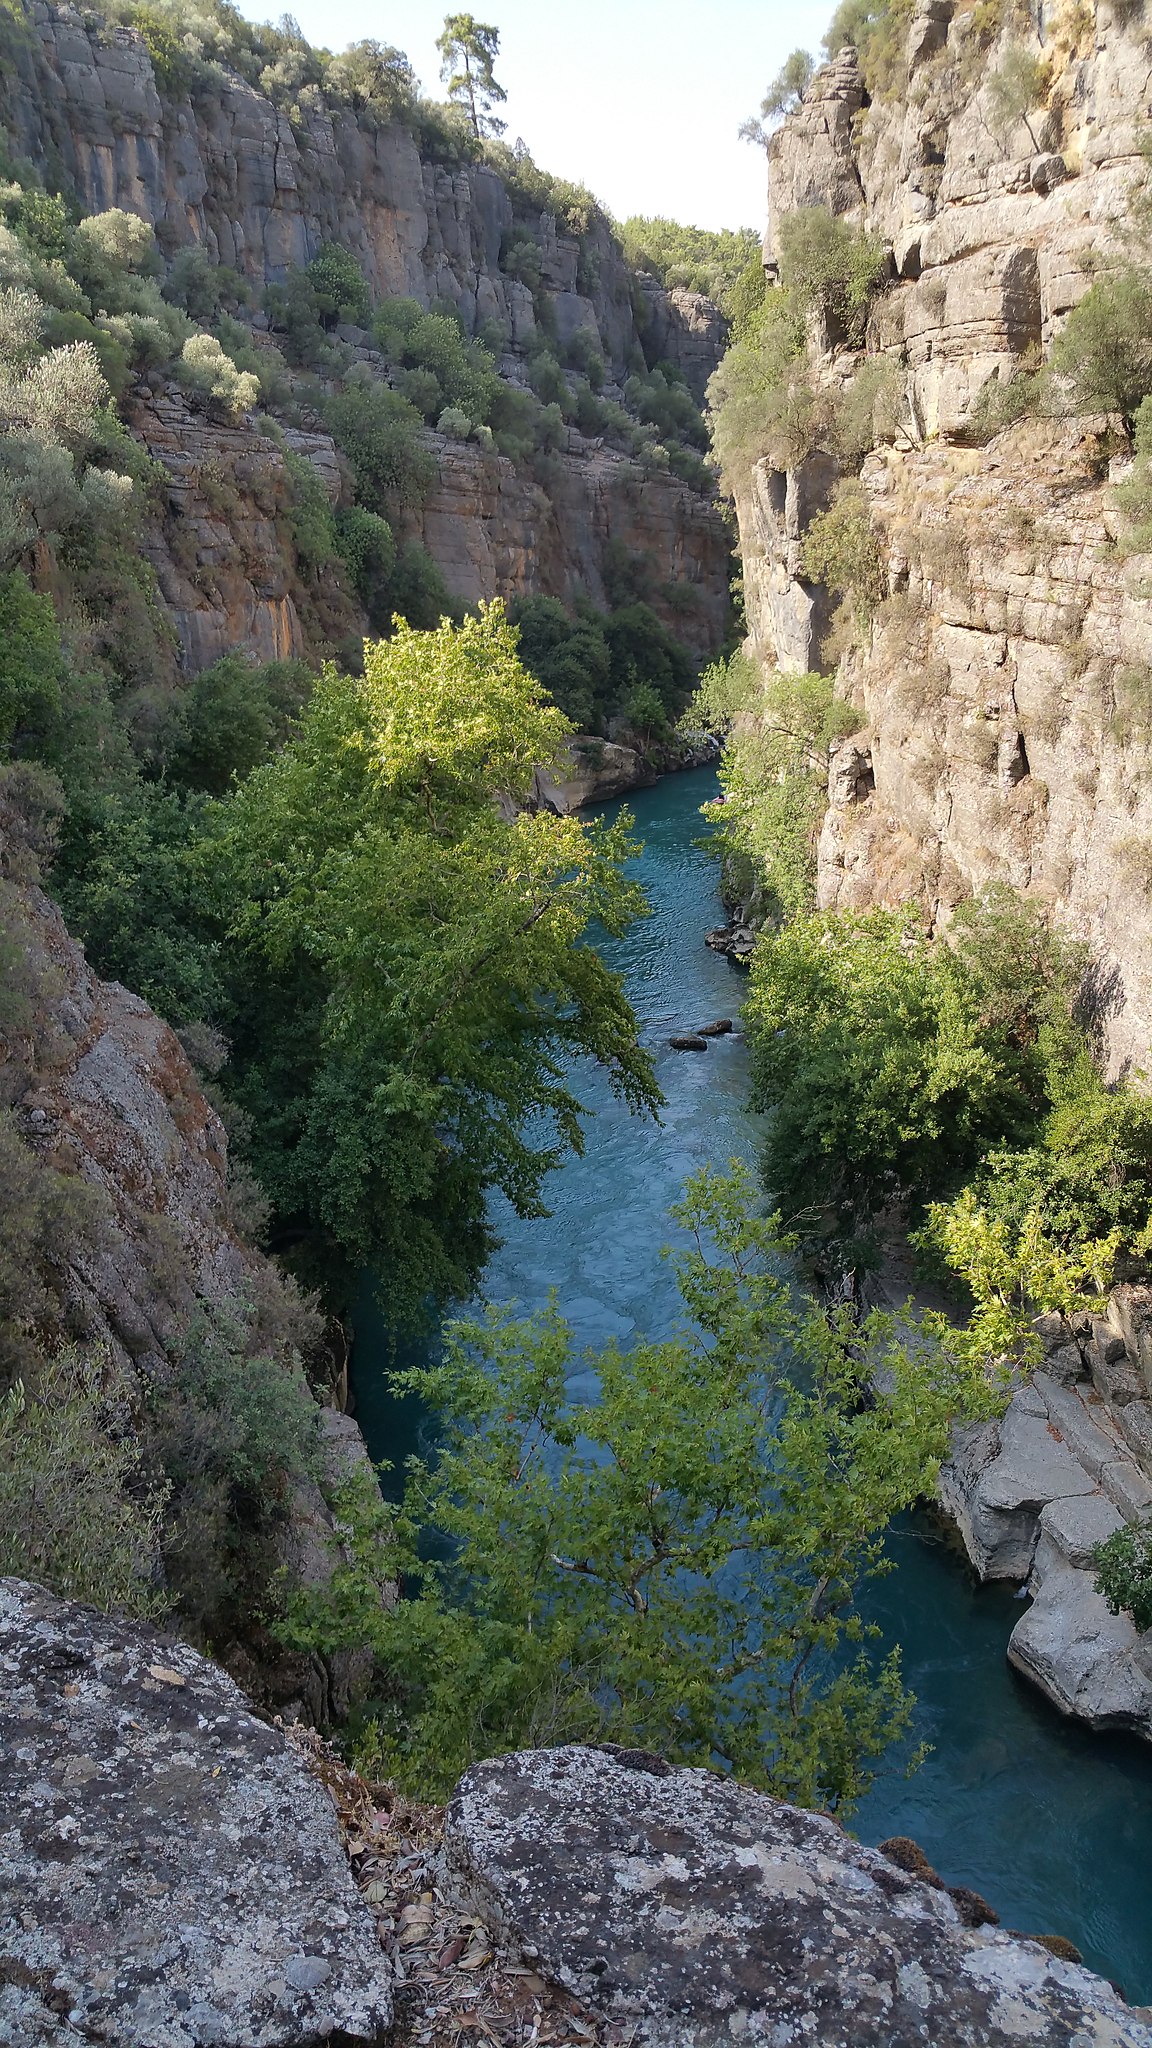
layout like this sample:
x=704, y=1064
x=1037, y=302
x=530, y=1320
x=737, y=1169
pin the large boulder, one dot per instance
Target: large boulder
x=699, y=1912
x=170, y=1874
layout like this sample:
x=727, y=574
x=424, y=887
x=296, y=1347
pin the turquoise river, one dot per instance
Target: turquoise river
x=1053, y=1825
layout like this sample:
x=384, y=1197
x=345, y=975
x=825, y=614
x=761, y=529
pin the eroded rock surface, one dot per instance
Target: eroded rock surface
x=1033, y=1494
x=170, y=1874
x=704, y=1913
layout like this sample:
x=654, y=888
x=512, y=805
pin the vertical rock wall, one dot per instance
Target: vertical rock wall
x=995, y=686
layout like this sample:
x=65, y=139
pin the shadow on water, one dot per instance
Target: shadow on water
x=1053, y=1825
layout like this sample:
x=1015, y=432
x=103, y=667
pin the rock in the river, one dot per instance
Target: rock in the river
x=170, y=1874
x=688, y=1041
x=698, y=1912
x=1089, y=1662
x=720, y=1029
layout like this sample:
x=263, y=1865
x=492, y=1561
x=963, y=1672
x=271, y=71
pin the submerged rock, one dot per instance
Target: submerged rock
x=170, y=1874
x=698, y=1912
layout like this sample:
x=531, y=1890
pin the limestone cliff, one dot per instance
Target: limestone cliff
x=994, y=736
x=261, y=189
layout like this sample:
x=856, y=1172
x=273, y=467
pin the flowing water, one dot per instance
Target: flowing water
x=1052, y=1825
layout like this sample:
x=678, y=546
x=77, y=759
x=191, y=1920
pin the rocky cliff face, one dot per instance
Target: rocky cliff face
x=229, y=170
x=100, y=1088
x=995, y=739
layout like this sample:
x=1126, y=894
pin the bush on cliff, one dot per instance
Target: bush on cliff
x=592, y=662
x=892, y=1064
x=1105, y=347
x=773, y=781
x=76, y=1513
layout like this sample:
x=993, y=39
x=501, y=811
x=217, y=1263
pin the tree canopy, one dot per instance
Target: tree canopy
x=406, y=972
x=469, y=49
x=673, y=1566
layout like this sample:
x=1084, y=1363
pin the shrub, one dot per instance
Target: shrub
x=416, y=589
x=1124, y=1573
x=832, y=267
x=74, y=1515
x=375, y=78
x=31, y=666
x=200, y=287
x=339, y=285
x=231, y=716
x=1106, y=345
x=205, y=370
x=893, y=1064
x=1018, y=86
x=379, y=432
x=230, y=1434
x=705, y=260
x=366, y=545
x=761, y=401
x=48, y=1216
x=840, y=550
x=867, y=412
x=774, y=782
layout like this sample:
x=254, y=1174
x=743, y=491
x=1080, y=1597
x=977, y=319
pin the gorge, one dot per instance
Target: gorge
x=358, y=534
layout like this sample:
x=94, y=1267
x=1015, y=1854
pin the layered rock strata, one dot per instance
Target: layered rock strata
x=1000, y=688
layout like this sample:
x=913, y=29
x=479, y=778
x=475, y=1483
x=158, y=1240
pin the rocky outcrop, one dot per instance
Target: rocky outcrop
x=1000, y=689
x=220, y=536
x=495, y=530
x=593, y=771
x=1032, y=1494
x=171, y=1876
x=693, y=1911
x=174, y=1873
x=102, y=1089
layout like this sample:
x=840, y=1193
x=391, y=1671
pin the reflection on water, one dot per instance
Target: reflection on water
x=1051, y=1824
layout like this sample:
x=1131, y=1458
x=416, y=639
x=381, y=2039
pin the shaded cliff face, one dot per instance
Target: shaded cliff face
x=992, y=688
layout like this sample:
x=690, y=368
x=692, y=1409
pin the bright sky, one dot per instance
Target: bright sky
x=638, y=99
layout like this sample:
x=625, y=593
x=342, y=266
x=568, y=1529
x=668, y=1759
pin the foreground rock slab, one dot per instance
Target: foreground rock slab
x=171, y=1876
x=706, y=1913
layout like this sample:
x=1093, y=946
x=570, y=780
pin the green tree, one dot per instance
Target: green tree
x=469, y=49
x=773, y=779
x=674, y=1565
x=406, y=974
x=1106, y=344
x=785, y=92
x=893, y=1063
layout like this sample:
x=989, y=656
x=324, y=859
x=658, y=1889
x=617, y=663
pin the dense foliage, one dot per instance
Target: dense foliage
x=707, y=260
x=1124, y=1573
x=674, y=1566
x=903, y=1071
x=404, y=982
x=773, y=781
x=592, y=663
